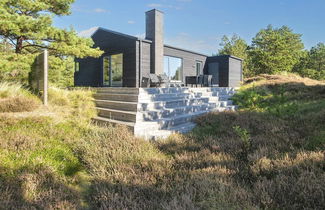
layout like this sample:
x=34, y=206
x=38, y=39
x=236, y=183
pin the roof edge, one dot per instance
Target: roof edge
x=120, y=34
x=186, y=50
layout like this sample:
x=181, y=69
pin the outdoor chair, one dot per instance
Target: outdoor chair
x=163, y=78
x=154, y=80
x=145, y=82
x=200, y=80
x=207, y=80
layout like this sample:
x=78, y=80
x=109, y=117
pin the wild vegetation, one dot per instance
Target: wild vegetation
x=269, y=155
x=276, y=50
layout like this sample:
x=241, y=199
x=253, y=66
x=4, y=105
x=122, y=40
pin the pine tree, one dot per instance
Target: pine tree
x=27, y=24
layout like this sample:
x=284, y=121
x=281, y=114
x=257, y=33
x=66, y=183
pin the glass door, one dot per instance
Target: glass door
x=173, y=68
x=199, y=68
x=113, y=70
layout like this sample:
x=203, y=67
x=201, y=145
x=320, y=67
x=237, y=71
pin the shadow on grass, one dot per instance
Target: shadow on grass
x=36, y=188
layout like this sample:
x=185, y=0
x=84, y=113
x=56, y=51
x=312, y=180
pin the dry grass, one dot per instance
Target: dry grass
x=14, y=98
x=265, y=156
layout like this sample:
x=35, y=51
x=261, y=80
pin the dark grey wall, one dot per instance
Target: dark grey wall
x=189, y=59
x=91, y=70
x=235, y=72
x=223, y=62
x=146, y=62
x=89, y=73
x=230, y=70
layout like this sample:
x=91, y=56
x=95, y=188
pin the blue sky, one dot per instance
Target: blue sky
x=199, y=24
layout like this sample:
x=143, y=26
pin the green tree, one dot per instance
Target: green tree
x=313, y=63
x=317, y=57
x=275, y=50
x=236, y=46
x=27, y=24
x=26, y=27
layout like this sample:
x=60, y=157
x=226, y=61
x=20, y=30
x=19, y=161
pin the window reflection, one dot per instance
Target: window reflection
x=173, y=68
x=113, y=70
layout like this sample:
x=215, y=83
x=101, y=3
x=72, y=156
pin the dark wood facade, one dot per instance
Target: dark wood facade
x=137, y=61
x=226, y=70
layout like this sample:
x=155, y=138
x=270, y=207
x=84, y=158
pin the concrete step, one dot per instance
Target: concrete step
x=116, y=97
x=163, y=134
x=156, y=114
x=114, y=114
x=119, y=105
x=162, y=90
x=105, y=121
x=145, y=106
x=168, y=123
x=118, y=90
x=226, y=108
x=164, y=96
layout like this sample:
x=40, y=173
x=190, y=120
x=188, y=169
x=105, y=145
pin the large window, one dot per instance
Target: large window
x=113, y=70
x=173, y=68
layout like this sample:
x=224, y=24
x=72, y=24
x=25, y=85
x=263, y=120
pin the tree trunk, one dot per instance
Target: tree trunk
x=19, y=44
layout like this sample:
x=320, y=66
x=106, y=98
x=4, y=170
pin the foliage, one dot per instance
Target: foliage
x=312, y=65
x=236, y=46
x=61, y=71
x=275, y=50
x=15, y=67
x=28, y=26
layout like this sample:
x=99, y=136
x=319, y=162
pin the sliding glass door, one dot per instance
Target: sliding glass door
x=173, y=68
x=113, y=70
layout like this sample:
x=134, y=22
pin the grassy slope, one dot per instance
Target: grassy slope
x=268, y=155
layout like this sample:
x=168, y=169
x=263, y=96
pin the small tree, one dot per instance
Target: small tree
x=275, y=50
x=236, y=46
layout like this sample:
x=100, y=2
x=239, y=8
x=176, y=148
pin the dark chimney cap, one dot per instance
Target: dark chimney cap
x=155, y=10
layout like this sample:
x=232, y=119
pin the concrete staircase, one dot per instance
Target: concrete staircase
x=158, y=112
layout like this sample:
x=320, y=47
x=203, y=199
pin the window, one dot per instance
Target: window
x=173, y=68
x=76, y=66
x=199, y=69
x=113, y=70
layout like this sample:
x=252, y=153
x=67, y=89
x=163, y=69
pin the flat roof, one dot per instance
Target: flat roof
x=146, y=40
x=182, y=49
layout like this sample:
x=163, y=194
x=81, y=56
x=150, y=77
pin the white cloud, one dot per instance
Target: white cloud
x=207, y=45
x=88, y=32
x=131, y=22
x=100, y=10
x=156, y=5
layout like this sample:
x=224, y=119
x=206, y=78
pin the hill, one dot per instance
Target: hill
x=269, y=154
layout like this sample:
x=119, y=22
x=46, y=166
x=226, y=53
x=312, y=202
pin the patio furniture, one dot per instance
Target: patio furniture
x=203, y=80
x=163, y=78
x=145, y=82
x=207, y=81
x=154, y=80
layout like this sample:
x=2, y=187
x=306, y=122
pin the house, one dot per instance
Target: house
x=128, y=59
